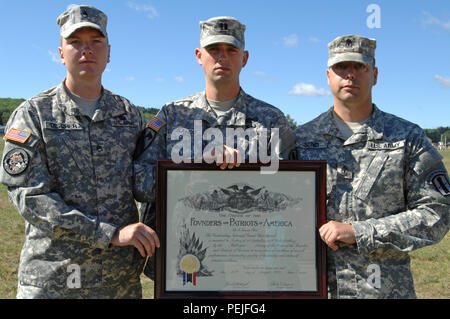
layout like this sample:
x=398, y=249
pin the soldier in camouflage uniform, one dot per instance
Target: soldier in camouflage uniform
x=68, y=165
x=387, y=188
x=222, y=105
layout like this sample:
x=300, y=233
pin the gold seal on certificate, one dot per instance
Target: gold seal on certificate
x=189, y=265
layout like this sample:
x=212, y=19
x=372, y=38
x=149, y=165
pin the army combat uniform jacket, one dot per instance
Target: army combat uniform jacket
x=247, y=112
x=72, y=180
x=389, y=182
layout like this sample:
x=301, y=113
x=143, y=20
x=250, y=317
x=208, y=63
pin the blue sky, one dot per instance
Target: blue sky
x=153, y=43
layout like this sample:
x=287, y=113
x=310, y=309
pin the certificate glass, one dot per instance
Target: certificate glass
x=240, y=233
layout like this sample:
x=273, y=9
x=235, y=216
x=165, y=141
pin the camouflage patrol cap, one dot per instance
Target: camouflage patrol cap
x=351, y=48
x=222, y=30
x=81, y=16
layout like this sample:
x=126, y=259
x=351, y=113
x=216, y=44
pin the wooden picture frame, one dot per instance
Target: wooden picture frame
x=239, y=233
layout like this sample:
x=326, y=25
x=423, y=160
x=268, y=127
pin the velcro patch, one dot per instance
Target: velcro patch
x=440, y=181
x=123, y=122
x=314, y=145
x=17, y=135
x=16, y=161
x=155, y=124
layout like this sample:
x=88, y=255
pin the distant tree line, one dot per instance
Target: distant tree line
x=147, y=112
x=438, y=134
x=8, y=105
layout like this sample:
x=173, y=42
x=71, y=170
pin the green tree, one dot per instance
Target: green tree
x=7, y=106
x=147, y=113
x=436, y=134
x=292, y=123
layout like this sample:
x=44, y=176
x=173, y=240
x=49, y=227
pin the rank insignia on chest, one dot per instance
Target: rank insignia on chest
x=16, y=161
x=17, y=135
x=155, y=124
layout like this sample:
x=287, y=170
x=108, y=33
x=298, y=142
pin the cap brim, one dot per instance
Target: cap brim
x=221, y=39
x=68, y=32
x=350, y=57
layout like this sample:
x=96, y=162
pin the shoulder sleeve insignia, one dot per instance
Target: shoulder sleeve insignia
x=16, y=161
x=17, y=135
x=155, y=124
x=440, y=181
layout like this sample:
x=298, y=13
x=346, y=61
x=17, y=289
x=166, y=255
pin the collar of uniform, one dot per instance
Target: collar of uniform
x=371, y=130
x=235, y=117
x=108, y=106
x=375, y=125
x=65, y=103
x=207, y=113
x=328, y=126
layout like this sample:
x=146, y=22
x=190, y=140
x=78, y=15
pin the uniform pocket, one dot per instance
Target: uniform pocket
x=371, y=175
x=67, y=152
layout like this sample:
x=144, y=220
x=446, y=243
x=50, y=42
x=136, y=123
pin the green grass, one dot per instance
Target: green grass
x=446, y=160
x=430, y=265
x=11, y=240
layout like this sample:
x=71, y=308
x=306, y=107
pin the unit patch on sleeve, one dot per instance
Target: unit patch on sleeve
x=155, y=124
x=440, y=181
x=17, y=135
x=16, y=161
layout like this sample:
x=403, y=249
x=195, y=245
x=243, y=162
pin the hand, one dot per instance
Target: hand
x=334, y=231
x=138, y=235
x=230, y=158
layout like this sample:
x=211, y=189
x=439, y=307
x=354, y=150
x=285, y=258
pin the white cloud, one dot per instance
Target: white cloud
x=445, y=82
x=130, y=78
x=291, y=40
x=54, y=56
x=264, y=76
x=431, y=20
x=180, y=79
x=304, y=89
x=314, y=40
x=159, y=80
x=149, y=10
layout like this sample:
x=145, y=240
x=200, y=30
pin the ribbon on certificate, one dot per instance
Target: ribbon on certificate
x=189, y=265
x=189, y=278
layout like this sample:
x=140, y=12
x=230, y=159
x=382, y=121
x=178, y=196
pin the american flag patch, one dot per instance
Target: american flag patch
x=17, y=135
x=155, y=124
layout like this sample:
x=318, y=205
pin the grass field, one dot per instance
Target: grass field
x=430, y=265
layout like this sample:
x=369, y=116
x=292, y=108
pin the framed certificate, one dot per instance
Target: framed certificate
x=239, y=233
